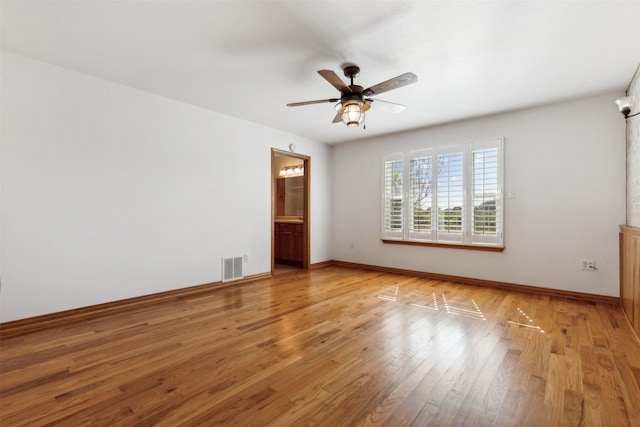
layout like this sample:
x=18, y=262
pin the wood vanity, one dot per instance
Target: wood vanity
x=289, y=240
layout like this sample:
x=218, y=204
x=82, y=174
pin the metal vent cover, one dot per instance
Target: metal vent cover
x=231, y=269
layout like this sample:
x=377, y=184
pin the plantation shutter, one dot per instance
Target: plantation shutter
x=450, y=195
x=420, y=204
x=486, y=189
x=392, y=197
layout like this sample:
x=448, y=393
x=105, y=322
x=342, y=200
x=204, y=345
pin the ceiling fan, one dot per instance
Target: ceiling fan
x=354, y=100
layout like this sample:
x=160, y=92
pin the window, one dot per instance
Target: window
x=393, y=212
x=445, y=195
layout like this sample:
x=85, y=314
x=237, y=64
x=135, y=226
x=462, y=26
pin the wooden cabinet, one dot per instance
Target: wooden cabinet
x=298, y=243
x=289, y=240
x=630, y=274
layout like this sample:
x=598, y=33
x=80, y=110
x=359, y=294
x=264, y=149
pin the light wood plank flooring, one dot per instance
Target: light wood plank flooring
x=332, y=347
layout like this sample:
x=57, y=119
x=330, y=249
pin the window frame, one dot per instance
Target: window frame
x=467, y=238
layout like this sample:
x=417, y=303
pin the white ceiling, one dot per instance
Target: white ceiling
x=248, y=59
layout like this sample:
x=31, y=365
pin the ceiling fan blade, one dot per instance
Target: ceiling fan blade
x=394, y=83
x=389, y=107
x=319, y=101
x=336, y=81
x=337, y=118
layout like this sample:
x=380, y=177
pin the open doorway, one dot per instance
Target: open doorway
x=290, y=211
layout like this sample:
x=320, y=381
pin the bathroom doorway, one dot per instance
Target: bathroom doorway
x=290, y=236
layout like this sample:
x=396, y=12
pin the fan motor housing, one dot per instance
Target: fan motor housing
x=355, y=95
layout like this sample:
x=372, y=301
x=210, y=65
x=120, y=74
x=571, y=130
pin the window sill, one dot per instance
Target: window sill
x=445, y=245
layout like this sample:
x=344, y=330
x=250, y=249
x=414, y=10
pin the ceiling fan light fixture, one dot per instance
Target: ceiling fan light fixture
x=352, y=114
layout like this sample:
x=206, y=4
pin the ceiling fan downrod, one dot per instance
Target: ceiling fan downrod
x=351, y=72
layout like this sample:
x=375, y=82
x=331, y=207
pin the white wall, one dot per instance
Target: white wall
x=109, y=192
x=566, y=163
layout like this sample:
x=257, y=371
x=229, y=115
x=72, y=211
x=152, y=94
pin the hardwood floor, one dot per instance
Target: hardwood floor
x=332, y=347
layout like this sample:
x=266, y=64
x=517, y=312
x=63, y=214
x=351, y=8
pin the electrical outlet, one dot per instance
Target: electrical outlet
x=588, y=265
x=246, y=258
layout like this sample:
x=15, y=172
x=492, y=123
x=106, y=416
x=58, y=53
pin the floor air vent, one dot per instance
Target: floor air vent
x=231, y=269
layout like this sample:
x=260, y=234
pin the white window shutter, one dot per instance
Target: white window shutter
x=486, y=192
x=393, y=197
x=450, y=194
x=420, y=206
